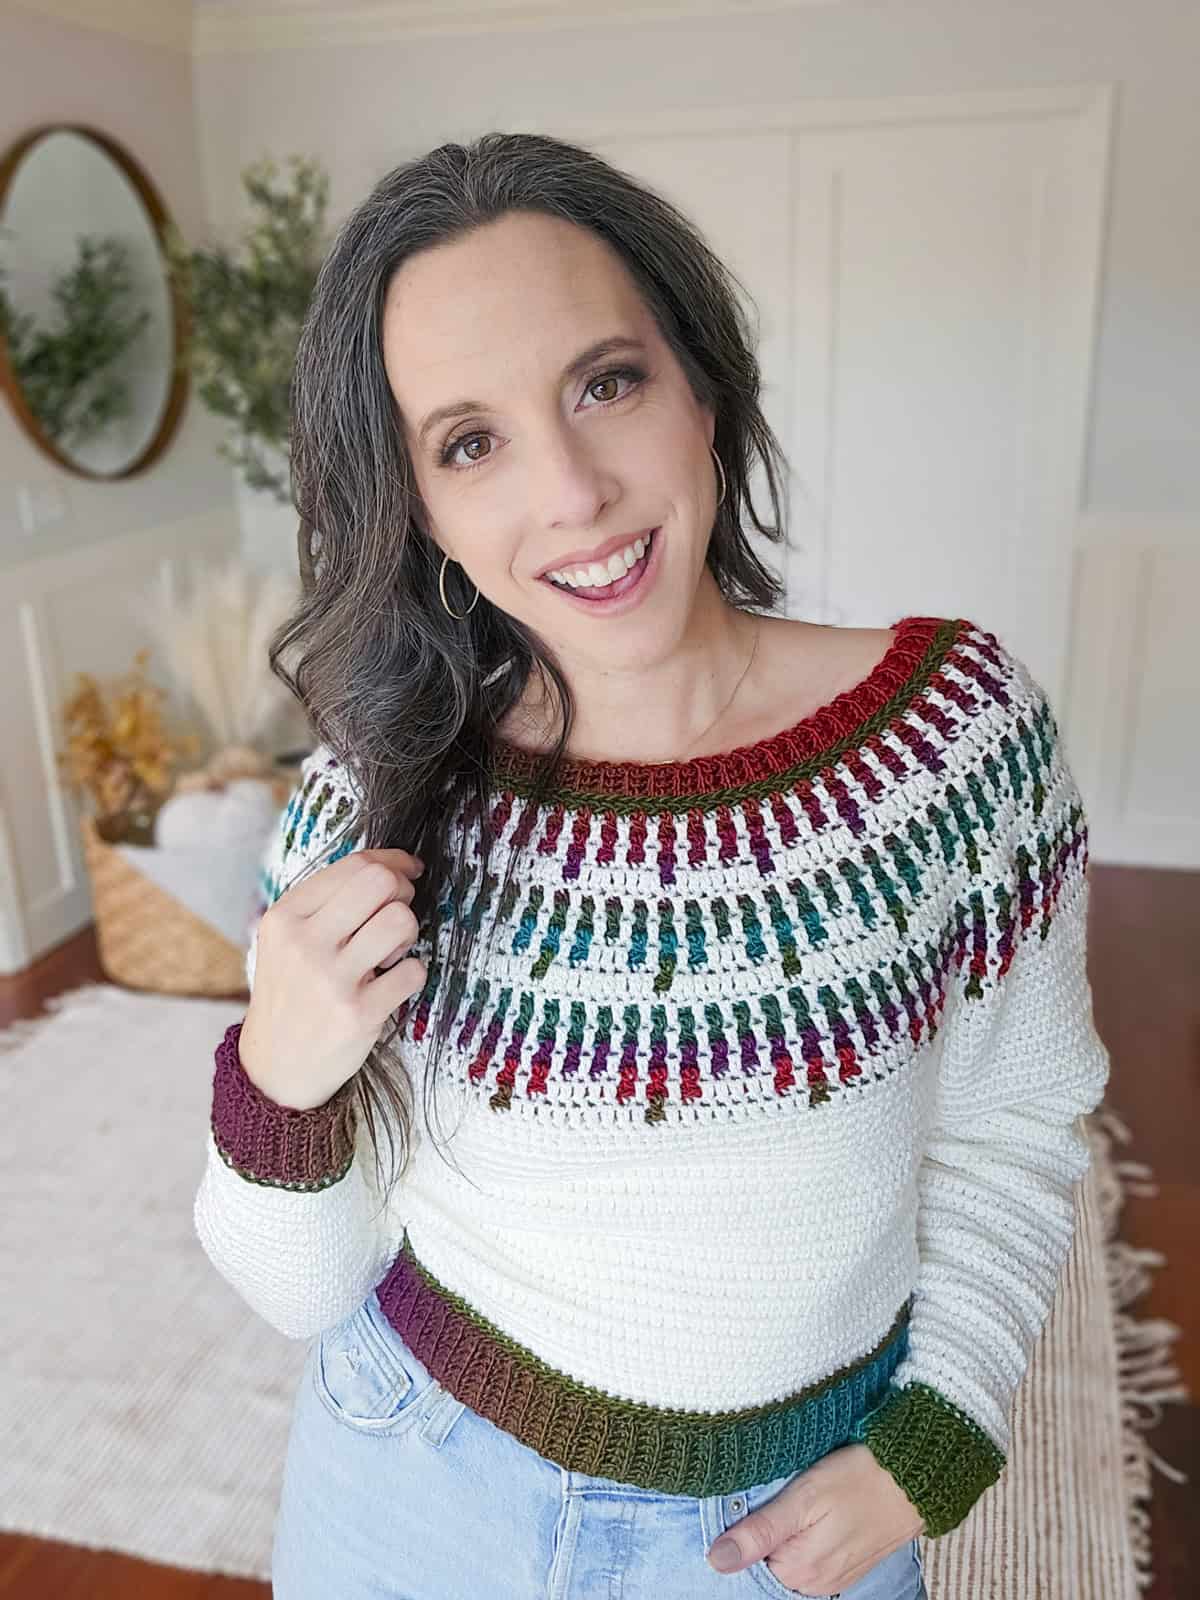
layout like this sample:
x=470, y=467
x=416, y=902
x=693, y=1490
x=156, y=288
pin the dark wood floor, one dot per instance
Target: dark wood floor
x=1145, y=969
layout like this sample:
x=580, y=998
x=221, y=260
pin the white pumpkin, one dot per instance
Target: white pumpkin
x=210, y=849
x=244, y=808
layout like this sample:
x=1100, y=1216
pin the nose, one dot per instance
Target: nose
x=571, y=485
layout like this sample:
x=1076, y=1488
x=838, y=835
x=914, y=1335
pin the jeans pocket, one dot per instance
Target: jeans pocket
x=759, y=1572
x=770, y=1584
x=366, y=1378
x=899, y=1576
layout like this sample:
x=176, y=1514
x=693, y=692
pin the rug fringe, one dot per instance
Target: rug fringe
x=1147, y=1377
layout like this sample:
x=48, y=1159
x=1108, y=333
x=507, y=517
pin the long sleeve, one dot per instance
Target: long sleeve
x=1005, y=1150
x=285, y=1210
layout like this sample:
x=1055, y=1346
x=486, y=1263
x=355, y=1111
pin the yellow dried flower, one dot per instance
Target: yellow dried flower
x=121, y=756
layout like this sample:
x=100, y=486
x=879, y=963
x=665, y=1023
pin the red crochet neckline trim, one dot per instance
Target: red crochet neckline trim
x=814, y=734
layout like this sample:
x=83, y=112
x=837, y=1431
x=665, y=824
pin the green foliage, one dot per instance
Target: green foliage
x=68, y=373
x=247, y=312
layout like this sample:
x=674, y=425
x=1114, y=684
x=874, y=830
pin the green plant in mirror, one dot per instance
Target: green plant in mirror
x=68, y=373
x=246, y=308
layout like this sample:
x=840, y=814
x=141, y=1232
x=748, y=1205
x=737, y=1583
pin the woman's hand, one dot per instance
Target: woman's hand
x=826, y=1528
x=327, y=977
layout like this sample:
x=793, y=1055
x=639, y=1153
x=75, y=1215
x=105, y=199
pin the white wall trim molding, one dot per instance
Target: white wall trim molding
x=166, y=24
x=225, y=29
x=15, y=950
x=868, y=111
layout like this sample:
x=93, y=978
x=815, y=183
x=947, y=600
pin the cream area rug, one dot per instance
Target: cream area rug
x=144, y=1407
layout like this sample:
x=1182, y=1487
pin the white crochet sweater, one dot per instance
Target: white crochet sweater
x=764, y=1107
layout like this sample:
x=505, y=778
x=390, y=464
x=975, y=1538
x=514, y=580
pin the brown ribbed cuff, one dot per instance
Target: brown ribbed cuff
x=278, y=1145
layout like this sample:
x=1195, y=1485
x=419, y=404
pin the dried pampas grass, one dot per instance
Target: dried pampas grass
x=215, y=640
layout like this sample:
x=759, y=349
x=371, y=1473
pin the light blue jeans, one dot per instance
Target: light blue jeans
x=395, y=1490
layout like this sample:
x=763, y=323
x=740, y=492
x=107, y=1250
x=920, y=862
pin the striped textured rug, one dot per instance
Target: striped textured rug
x=1069, y=1515
x=145, y=1408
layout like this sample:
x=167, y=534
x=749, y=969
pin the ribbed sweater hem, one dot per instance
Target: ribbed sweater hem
x=585, y=1429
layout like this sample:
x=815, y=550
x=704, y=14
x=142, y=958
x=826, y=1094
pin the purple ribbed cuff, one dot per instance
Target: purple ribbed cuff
x=273, y=1144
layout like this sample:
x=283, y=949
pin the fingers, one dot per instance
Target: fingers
x=307, y=896
x=388, y=934
x=367, y=918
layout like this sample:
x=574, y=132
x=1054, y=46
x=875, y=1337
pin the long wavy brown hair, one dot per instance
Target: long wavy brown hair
x=404, y=695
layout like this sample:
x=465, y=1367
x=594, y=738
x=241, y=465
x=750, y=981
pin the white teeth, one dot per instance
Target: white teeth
x=599, y=575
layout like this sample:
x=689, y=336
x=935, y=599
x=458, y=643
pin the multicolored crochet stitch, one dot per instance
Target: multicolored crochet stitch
x=767, y=1094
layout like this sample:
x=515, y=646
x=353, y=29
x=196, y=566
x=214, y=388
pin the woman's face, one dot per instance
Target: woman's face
x=546, y=466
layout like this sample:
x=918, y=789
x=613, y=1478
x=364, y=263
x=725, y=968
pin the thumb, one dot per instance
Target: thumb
x=753, y=1540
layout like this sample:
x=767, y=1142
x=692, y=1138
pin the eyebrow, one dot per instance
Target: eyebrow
x=615, y=345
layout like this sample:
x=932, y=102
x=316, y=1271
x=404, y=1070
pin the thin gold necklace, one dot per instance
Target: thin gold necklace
x=677, y=759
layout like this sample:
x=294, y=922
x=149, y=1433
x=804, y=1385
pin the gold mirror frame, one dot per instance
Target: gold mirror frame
x=177, y=393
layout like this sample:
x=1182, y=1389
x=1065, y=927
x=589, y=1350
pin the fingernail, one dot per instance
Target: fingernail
x=725, y=1555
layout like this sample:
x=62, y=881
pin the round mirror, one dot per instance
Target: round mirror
x=91, y=327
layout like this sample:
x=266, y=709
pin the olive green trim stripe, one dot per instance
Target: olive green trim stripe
x=525, y=783
x=940, y=1457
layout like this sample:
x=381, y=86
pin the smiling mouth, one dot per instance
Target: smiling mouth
x=615, y=586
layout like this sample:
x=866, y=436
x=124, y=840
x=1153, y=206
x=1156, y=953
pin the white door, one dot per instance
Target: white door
x=924, y=275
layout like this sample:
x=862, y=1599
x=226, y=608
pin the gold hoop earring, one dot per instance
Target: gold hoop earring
x=442, y=588
x=721, y=470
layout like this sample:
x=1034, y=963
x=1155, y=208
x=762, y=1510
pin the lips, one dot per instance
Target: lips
x=599, y=590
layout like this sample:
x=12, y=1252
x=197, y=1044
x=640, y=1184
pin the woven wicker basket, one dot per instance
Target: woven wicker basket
x=146, y=939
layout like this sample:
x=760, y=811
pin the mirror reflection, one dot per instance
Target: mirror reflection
x=87, y=316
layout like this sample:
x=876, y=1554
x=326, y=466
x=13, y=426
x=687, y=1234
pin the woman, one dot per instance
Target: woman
x=751, y=954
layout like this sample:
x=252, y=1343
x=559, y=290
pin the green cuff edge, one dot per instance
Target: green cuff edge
x=940, y=1457
x=301, y=1186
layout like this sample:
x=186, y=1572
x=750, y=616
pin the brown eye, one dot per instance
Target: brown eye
x=631, y=375
x=455, y=445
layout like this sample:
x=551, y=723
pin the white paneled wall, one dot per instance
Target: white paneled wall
x=1135, y=688
x=924, y=272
